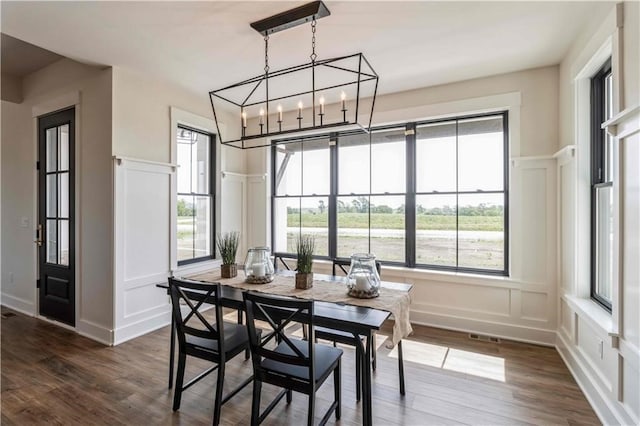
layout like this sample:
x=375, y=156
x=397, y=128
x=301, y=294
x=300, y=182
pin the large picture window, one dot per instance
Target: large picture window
x=601, y=188
x=195, y=201
x=428, y=194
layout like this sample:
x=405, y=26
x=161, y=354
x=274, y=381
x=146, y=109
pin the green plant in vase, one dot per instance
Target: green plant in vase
x=305, y=246
x=228, y=247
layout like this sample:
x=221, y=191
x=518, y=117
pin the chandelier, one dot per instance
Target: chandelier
x=319, y=97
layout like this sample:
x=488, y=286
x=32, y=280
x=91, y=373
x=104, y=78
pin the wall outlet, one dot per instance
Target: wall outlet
x=601, y=349
x=24, y=222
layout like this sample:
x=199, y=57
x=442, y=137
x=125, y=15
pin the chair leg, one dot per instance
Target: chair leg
x=312, y=406
x=373, y=351
x=336, y=389
x=400, y=368
x=358, y=372
x=177, y=392
x=289, y=396
x=255, y=403
x=217, y=405
x=172, y=351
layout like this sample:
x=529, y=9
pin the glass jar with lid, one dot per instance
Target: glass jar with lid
x=363, y=280
x=258, y=268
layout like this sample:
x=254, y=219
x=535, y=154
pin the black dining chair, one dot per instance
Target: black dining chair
x=216, y=341
x=338, y=336
x=292, y=364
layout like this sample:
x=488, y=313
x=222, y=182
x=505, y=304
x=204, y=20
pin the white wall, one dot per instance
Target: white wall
x=601, y=349
x=61, y=84
x=523, y=305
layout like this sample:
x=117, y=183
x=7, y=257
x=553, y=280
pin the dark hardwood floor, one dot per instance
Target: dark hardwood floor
x=53, y=376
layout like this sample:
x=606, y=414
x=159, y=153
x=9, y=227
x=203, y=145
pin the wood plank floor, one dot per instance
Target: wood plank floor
x=51, y=375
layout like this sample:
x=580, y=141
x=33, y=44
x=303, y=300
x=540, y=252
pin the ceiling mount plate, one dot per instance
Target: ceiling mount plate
x=291, y=18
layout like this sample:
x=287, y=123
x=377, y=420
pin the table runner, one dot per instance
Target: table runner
x=394, y=301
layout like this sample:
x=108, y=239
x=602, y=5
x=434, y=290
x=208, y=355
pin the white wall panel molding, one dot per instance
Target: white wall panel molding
x=142, y=203
x=94, y=331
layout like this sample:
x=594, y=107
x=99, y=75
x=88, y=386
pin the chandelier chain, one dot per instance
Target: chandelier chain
x=266, y=53
x=313, y=55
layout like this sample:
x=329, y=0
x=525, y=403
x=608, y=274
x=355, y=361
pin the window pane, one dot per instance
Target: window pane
x=64, y=147
x=436, y=230
x=200, y=163
x=52, y=196
x=287, y=224
x=316, y=167
x=51, y=236
x=184, y=161
x=63, y=194
x=388, y=148
x=481, y=231
x=52, y=149
x=202, y=227
x=604, y=242
x=388, y=228
x=63, y=246
x=436, y=157
x=353, y=165
x=353, y=225
x=315, y=221
x=289, y=169
x=186, y=212
x=480, y=154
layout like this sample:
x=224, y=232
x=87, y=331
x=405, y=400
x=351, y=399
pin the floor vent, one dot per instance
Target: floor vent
x=484, y=338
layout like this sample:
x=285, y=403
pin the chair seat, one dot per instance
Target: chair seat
x=235, y=337
x=325, y=359
x=337, y=335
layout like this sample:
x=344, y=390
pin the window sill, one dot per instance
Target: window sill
x=597, y=317
x=194, y=268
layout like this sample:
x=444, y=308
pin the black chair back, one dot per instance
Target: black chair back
x=195, y=296
x=278, y=313
x=281, y=258
x=344, y=264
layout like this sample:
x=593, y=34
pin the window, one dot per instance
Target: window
x=429, y=194
x=195, y=203
x=601, y=188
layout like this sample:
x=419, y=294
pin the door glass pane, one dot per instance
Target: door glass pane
x=436, y=230
x=52, y=196
x=481, y=231
x=388, y=162
x=51, y=241
x=200, y=167
x=52, y=149
x=315, y=221
x=353, y=165
x=289, y=169
x=63, y=244
x=387, y=228
x=64, y=147
x=480, y=154
x=315, y=168
x=287, y=224
x=353, y=225
x=436, y=157
x=63, y=194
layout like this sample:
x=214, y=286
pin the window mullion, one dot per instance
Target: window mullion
x=410, y=196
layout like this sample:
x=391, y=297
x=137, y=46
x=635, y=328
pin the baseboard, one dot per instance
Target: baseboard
x=95, y=332
x=468, y=325
x=147, y=325
x=604, y=407
x=18, y=304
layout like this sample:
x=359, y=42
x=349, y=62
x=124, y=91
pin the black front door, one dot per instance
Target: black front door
x=56, y=204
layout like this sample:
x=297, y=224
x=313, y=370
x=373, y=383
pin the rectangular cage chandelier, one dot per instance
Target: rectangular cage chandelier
x=319, y=97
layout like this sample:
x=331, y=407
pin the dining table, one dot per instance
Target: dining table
x=333, y=308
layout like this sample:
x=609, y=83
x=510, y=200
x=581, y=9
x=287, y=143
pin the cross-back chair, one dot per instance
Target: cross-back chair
x=292, y=364
x=216, y=341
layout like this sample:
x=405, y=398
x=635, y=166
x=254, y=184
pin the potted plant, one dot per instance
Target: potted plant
x=305, y=245
x=228, y=246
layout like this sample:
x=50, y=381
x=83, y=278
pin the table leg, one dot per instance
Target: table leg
x=172, y=351
x=366, y=383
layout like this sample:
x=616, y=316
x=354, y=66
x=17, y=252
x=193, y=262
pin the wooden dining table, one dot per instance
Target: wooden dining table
x=348, y=315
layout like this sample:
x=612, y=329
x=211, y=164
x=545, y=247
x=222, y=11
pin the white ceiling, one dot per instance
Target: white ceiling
x=207, y=45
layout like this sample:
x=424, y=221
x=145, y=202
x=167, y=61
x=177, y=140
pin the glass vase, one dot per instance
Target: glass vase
x=258, y=268
x=363, y=280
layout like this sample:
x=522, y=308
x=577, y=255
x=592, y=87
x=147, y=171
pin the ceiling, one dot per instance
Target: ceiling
x=207, y=45
x=20, y=58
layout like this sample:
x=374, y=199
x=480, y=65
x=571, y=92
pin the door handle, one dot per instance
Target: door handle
x=38, y=239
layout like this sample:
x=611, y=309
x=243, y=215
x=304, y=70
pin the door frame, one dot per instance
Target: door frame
x=66, y=101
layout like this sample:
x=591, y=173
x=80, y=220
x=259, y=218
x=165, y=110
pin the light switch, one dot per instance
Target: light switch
x=24, y=222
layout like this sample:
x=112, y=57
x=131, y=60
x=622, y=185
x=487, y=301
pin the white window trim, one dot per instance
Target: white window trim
x=186, y=118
